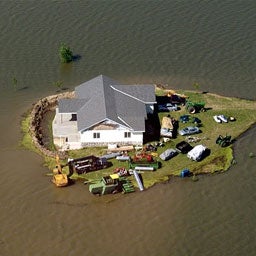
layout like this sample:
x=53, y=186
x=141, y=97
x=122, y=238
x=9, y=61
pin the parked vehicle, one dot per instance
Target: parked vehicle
x=196, y=120
x=168, y=154
x=220, y=118
x=197, y=153
x=188, y=118
x=184, y=118
x=195, y=107
x=183, y=147
x=88, y=164
x=224, y=141
x=216, y=119
x=167, y=107
x=189, y=130
x=223, y=118
x=60, y=179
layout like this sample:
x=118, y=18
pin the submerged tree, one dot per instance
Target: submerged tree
x=14, y=82
x=65, y=53
x=58, y=84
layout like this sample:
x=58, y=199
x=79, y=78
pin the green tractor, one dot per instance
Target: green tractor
x=224, y=141
x=195, y=107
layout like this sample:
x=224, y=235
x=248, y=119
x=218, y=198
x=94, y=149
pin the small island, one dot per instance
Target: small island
x=240, y=114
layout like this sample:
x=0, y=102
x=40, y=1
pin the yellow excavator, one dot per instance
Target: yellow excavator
x=59, y=178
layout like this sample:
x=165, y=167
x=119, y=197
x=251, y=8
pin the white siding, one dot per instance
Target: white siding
x=111, y=136
x=62, y=126
x=65, y=133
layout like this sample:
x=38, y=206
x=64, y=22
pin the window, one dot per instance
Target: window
x=127, y=134
x=96, y=135
x=73, y=117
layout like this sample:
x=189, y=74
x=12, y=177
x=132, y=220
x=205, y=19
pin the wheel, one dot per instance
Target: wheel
x=192, y=110
x=224, y=144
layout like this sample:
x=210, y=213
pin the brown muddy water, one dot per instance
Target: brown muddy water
x=170, y=42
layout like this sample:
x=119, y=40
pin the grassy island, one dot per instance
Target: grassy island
x=219, y=160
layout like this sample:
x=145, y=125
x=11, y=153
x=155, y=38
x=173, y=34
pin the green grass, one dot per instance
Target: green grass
x=26, y=140
x=219, y=160
x=51, y=146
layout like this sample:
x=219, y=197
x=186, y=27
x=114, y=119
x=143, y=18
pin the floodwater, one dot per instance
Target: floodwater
x=175, y=43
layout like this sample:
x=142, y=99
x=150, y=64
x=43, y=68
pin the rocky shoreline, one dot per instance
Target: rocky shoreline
x=37, y=113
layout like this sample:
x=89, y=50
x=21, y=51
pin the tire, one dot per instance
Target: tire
x=224, y=144
x=192, y=110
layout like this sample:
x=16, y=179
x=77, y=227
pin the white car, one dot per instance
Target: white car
x=189, y=130
x=220, y=119
x=217, y=119
x=167, y=107
x=168, y=154
x=223, y=118
x=197, y=153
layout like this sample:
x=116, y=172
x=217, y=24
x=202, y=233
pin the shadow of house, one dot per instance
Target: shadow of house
x=152, y=128
x=174, y=99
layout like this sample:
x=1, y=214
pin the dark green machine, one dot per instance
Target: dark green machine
x=111, y=184
x=224, y=141
x=195, y=107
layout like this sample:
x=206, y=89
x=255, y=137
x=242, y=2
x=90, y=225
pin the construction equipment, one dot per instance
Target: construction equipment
x=143, y=161
x=59, y=178
x=224, y=141
x=106, y=185
x=88, y=164
x=195, y=107
x=110, y=185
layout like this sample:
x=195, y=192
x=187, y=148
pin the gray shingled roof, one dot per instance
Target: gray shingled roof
x=71, y=105
x=144, y=93
x=102, y=98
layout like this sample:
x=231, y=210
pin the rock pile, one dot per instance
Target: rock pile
x=37, y=114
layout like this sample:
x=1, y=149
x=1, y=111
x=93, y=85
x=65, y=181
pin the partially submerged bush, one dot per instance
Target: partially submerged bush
x=66, y=54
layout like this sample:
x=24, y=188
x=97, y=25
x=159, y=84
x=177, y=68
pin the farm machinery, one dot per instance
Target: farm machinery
x=79, y=165
x=143, y=161
x=224, y=141
x=60, y=179
x=111, y=184
x=195, y=107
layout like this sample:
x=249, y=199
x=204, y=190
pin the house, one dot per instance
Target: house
x=103, y=112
